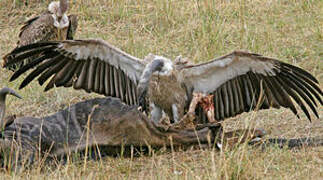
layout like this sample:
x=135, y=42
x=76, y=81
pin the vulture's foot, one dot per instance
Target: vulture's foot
x=164, y=120
x=187, y=122
x=164, y=123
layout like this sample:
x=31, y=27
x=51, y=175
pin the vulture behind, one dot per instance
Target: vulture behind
x=53, y=24
x=237, y=82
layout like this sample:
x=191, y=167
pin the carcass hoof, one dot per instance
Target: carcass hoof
x=257, y=137
x=234, y=138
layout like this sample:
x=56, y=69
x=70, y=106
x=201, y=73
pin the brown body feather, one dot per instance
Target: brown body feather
x=166, y=91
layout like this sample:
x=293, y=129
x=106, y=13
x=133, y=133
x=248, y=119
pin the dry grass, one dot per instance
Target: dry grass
x=289, y=30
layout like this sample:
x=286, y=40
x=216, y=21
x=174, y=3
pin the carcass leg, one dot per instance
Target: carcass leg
x=197, y=97
x=208, y=107
x=206, y=102
x=187, y=120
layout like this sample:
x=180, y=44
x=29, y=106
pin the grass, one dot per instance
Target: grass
x=288, y=30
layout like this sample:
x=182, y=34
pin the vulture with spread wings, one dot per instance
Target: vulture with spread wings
x=215, y=90
x=51, y=25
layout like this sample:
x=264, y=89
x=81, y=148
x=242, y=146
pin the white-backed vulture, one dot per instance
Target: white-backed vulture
x=53, y=24
x=234, y=83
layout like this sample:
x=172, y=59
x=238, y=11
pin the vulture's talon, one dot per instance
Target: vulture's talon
x=186, y=122
x=162, y=127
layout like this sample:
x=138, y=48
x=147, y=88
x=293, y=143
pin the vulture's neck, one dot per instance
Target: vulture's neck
x=155, y=65
x=3, y=93
x=142, y=88
x=2, y=110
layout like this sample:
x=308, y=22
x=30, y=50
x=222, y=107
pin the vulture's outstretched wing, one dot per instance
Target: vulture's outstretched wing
x=240, y=82
x=92, y=65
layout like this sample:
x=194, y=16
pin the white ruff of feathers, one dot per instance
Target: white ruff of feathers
x=53, y=7
x=167, y=68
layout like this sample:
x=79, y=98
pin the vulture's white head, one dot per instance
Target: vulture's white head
x=58, y=10
x=167, y=67
x=159, y=64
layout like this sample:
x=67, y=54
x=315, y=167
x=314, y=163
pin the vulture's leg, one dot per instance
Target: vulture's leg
x=175, y=113
x=159, y=117
x=156, y=113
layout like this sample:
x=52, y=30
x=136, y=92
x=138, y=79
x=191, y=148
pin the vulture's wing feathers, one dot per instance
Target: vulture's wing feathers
x=240, y=82
x=92, y=65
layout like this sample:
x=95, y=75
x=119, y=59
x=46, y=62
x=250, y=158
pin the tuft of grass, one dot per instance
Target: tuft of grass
x=201, y=30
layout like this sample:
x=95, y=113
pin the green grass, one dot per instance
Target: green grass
x=289, y=30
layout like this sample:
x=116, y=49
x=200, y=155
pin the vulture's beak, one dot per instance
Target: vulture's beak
x=15, y=94
x=4, y=91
